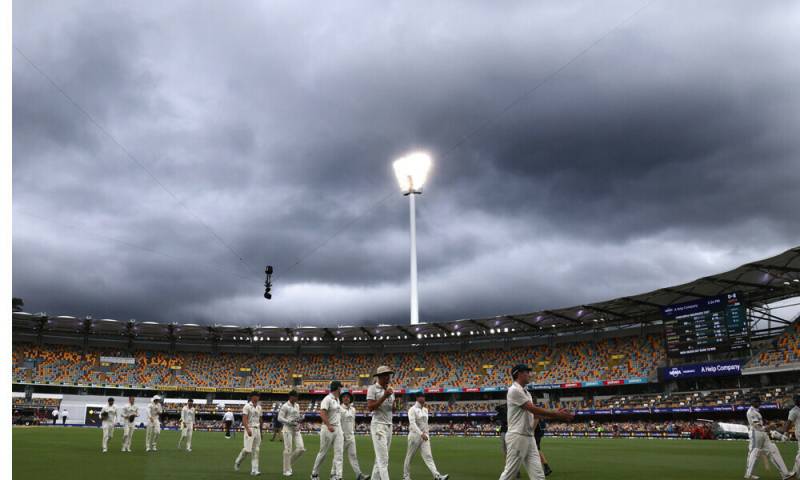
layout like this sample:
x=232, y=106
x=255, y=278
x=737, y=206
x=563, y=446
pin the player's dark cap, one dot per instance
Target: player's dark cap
x=420, y=393
x=346, y=394
x=335, y=385
x=292, y=393
x=755, y=399
x=254, y=394
x=191, y=401
x=110, y=399
x=519, y=368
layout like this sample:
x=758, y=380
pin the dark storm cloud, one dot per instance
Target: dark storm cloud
x=667, y=152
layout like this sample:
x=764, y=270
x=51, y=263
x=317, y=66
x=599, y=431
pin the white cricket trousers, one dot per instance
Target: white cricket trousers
x=108, y=433
x=521, y=451
x=381, y=434
x=796, y=468
x=252, y=447
x=415, y=443
x=151, y=436
x=127, y=435
x=760, y=443
x=349, y=449
x=186, y=432
x=293, y=447
x=328, y=439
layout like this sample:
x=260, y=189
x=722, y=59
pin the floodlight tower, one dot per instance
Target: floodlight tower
x=411, y=172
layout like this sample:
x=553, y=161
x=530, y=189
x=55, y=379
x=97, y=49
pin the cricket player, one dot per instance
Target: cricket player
x=129, y=413
x=419, y=439
x=64, y=416
x=760, y=443
x=348, y=420
x=520, y=444
x=380, y=401
x=330, y=434
x=187, y=424
x=55, y=415
x=794, y=418
x=252, y=421
x=290, y=417
x=227, y=420
x=108, y=416
x=154, y=409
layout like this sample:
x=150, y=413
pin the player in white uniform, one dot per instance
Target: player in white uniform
x=380, y=401
x=108, y=416
x=252, y=421
x=330, y=434
x=348, y=421
x=290, y=417
x=129, y=413
x=227, y=420
x=154, y=410
x=188, y=413
x=794, y=418
x=419, y=439
x=760, y=443
x=520, y=444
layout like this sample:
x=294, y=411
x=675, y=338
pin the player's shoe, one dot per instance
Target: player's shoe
x=147, y=449
x=361, y=476
x=155, y=449
x=255, y=474
x=314, y=477
x=442, y=477
x=287, y=473
x=105, y=450
x=547, y=469
x=188, y=449
x=235, y=466
x=752, y=477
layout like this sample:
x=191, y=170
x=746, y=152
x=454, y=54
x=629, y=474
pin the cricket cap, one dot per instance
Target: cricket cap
x=335, y=385
x=382, y=370
x=519, y=368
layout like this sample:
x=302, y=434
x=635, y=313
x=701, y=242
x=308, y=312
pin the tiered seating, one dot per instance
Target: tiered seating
x=784, y=350
x=575, y=362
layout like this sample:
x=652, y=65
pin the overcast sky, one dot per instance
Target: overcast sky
x=668, y=151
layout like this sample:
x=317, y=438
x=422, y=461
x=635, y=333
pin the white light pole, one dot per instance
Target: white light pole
x=411, y=172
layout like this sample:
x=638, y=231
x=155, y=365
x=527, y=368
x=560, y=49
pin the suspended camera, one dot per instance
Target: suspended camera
x=268, y=283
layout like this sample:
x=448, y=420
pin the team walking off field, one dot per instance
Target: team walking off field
x=519, y=419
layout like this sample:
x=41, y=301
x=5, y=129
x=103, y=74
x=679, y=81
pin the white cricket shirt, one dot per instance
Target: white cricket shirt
x=382, y=414
x=520, y=421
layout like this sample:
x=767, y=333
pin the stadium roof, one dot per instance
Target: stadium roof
x=757, y=283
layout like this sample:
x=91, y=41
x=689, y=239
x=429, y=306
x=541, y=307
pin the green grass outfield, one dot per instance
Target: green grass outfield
x=45, y=453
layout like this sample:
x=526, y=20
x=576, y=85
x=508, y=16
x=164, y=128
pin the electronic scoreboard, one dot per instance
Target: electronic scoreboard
x=712, y=324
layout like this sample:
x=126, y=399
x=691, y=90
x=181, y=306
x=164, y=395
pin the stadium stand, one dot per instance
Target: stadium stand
x=574, y=362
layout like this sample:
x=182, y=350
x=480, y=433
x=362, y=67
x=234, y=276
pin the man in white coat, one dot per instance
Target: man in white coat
x=760, y=443
x=188, y=413
x=348, y=421
x=252, y=421
x=154, y=410
x=419, y=439
x=108, y=416
x=129, y=413
x=290, y=417
x=330, y=434
x=380, y=401
x=521, y=448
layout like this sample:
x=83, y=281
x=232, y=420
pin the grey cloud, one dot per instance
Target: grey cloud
x=665, y=153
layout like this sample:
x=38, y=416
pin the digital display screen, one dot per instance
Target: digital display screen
x=713, y=324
